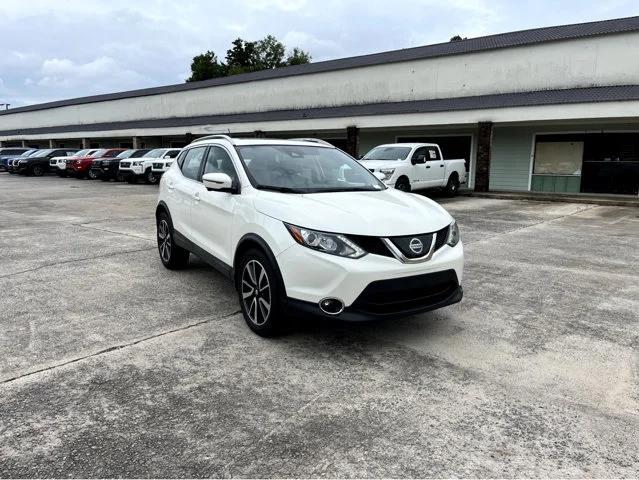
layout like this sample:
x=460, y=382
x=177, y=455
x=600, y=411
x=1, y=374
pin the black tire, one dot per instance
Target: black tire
x=260, y=294
x=150, y=178
x=452, y=187
x=402, y=184
x=62, y=174
x=172, y=256
x=104, y=179
x=92, y=175
x=37, y=171
x=119, y=177
x=131, y=179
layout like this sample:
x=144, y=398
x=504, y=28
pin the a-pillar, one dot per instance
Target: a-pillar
x=86, y=143
x=482, y=165
x=137, y=142
x=352, y=141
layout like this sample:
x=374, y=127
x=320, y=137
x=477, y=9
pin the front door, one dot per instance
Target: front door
x=435, y=168
x=183, y=190
x=213, y=212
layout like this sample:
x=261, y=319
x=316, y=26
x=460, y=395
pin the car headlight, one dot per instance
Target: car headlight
x=453, y=234
x=387, y=172
x=331, y=243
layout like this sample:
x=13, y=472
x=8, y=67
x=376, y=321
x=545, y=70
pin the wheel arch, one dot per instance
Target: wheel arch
x=162, y=208
x=248, y=242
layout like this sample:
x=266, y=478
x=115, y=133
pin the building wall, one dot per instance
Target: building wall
x=553, y=65
x=512, y=149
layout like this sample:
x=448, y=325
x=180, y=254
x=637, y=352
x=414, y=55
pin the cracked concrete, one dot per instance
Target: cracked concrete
x=111, y=365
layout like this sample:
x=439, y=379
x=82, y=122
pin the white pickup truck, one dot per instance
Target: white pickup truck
x=415, y=166
x=142, y=168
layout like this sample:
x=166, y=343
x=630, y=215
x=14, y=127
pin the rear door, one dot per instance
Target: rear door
x=435, y=167
x=183, y=189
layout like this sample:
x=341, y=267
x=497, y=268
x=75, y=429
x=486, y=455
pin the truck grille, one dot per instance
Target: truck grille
x=125, y=164
x=158, y=165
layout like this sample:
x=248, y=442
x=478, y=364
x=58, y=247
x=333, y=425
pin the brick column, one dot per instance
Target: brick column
x=188, y=137
x=352, y=141
x=482, y=165
x=85, y=143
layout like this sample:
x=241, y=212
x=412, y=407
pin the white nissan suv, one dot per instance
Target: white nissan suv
x=302, y=228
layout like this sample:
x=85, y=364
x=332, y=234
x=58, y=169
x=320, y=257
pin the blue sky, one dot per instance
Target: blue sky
x=55, y=49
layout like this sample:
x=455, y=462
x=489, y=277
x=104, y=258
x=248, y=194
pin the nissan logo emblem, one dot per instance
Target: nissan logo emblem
x=416, y=246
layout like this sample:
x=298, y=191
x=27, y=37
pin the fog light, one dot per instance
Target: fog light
x=331, y=306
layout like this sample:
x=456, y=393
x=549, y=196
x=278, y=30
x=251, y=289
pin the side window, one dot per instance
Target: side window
x=171, y=154
x=420, y=155
x=219, y=161
x=192, y=163
x=180, y=159
x=433, y=154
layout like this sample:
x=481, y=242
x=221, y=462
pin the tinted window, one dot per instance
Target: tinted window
x=219, y=161
x=192, y=163
x=112, y=153
x=420, y=155
x=172, y=153
x=432, y=154
x=139, y=153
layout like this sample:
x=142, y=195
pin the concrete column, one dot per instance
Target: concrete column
x=51, y=144
x=482, y=165
x=24, y=144
x=352, y=141
x=137, y=142
x=85, y=143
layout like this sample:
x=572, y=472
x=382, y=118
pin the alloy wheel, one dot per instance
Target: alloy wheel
x=256, y=292
x=164, y=241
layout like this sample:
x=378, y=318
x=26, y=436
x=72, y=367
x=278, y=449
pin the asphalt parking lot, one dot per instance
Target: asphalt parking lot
x=111, y=365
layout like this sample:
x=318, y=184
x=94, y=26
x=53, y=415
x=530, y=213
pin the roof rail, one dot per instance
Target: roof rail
x=314, y=140
x=218, y=137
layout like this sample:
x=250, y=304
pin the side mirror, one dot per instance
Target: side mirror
x=218, y=181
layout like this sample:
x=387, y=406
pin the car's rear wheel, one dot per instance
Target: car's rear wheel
x=452, y=187
x=37, y=171
x=402, y=184
x=93, y=175
x=260, y=294
x=173, y=256
x=119, y=177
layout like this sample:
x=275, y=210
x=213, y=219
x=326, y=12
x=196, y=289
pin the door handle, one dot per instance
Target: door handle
x=427, y=166
x=441, y=166
x=170, y=186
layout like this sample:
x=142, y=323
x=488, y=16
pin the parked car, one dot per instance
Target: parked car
x=109, y=168
x=161, y=165
x=81, y=167
x=59, y=164
x=5, y=159
x=6, y=152
x=135, y=170
x=415, y=166
x=303, y=227
x=37, y=164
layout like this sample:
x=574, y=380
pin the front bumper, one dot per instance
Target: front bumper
x=132, y=170
x=373, y=286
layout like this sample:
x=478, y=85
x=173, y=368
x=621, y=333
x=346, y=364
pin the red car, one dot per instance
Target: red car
x=80, y=167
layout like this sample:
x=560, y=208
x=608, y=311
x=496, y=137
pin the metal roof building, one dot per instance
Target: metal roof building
x=548, y=109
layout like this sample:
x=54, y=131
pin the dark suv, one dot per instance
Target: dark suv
x=109, y=168
x=38, y=163
x=10, y=153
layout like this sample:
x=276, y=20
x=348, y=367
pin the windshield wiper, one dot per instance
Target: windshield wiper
x=273, y=188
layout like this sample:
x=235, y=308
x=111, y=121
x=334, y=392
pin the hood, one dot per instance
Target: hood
x=377, y=164
x=382, y=213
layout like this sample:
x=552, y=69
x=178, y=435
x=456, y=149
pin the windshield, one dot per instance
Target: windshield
x=98, y=153
x=126, y=154
x=28, y=153
x=387, y=153
x=155, y=153
x=305, y=169
x=83, y=153
x=42, y=153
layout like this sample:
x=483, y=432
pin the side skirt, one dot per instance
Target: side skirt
x=212, y=260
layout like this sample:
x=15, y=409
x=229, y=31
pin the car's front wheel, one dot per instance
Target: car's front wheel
x=260, y=294
x=151, y=178
x=403, y=184
x=37, y=171
x=173, y=256
x=93, y=175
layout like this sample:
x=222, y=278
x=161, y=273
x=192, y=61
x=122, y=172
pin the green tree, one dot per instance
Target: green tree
x=206, y=66
x=457, y=38
x=298, y=57
x=245, y=56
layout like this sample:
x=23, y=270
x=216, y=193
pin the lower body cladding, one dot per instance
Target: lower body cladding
x=372, y=287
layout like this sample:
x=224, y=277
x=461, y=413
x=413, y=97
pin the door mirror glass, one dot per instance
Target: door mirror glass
x=217, y=181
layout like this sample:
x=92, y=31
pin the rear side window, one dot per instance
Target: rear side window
x=192, y=163
x=432, y=154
